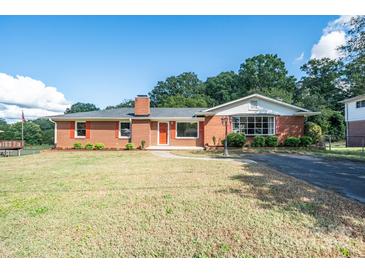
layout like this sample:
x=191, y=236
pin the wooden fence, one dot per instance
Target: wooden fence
x=10, y=145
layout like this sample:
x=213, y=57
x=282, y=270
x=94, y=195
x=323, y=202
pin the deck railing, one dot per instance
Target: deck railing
x=10, y=145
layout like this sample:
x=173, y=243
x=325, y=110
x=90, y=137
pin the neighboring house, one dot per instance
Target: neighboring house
x=355, y=120
x=252, y=115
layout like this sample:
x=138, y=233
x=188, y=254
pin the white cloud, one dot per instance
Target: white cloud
x=328, y=45
x=33, y=96
x=299, y=58
x=332, y=38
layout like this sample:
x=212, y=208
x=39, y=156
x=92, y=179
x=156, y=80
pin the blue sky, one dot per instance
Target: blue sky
x=104, y=59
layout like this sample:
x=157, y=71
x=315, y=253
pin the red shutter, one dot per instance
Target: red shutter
x=88, y=124
x=116, y=129
x=72, y=130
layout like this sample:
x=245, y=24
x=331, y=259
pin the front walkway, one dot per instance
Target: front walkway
x=163, y=147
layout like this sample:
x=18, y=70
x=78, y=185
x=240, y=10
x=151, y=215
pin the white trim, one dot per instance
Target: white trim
x=126, y=118
x=257, y=96
x=360, y=97
x=191, y=122
x=55, y=131
x=168, y=133
x=130, y=128
x=250, y=135
x=75, y=131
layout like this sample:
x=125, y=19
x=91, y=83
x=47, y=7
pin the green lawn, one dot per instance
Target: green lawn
x=132, y=204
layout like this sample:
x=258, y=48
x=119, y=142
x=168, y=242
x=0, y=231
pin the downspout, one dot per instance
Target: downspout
x=55, y=131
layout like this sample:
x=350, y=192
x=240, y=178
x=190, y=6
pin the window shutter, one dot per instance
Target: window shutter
x=72, y=130
x=116, y=129
x=88, y=124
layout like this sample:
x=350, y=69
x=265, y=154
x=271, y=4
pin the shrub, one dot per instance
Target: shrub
x=129, y=146
x=77, y=146
x=89, y=146
x=99, y=146
x=305, y=141
x=314, y=131
x=271, y=141
x=143, y=143
x=258, y=141
x=292, y=142
x=235, y=139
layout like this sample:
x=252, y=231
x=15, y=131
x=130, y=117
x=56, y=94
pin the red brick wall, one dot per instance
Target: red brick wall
x=286, y=126
x=214, y=127
x=141, y=131
x=356, y=132
x=142, y=106
x=97, y=131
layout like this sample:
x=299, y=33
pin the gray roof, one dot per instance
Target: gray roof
x=120, y=113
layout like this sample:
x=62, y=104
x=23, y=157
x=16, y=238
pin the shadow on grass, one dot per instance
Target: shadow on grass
x=274, y=190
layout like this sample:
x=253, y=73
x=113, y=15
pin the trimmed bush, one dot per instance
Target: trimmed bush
x=305, y=141
x=314, y=131
x=292, y=142
x=271, y=141
x=77, y=146
x=129, y=146
x=235, y=139
x=89, y=146
x=258, y=141
x=99, y=146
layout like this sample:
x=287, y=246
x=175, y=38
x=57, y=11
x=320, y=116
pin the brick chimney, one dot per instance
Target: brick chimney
x=142, y=105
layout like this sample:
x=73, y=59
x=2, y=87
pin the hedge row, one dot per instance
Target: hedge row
x=239, y=139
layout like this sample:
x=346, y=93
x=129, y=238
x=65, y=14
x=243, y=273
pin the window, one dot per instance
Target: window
x=360, y=104
x=254, y=125
x=80, y=129
x=125, y=130
x=186, y=130
x=253, y=104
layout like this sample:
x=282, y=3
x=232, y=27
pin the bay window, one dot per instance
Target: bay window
x=254, y=125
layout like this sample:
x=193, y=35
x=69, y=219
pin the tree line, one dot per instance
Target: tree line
x=325, y=82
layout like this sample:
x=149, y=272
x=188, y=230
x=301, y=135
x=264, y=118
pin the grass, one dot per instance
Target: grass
x=130, y=204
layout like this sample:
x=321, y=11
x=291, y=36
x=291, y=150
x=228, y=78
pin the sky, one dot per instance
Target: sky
x=50, y=62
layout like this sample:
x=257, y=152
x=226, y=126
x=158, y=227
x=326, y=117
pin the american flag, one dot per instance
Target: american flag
x=23, y=118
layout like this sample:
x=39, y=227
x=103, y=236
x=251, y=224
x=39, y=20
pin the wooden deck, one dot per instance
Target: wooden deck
x=11, y=145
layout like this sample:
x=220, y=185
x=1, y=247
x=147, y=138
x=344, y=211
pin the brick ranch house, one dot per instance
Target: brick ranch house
x=179, y=127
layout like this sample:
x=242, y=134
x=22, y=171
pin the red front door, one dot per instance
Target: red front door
x=163, y=134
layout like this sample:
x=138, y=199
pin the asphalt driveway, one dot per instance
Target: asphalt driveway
x=342, y=176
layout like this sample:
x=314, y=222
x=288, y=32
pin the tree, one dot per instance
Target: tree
x=47, y=128
x=32, y=133
x=5, y=128
x=186, y=85
x=266, y=74
x=354, y=56
x=322, y=85
x=222, y=88
x=126, y=103
x=181, y=101
x=81, y=107
x=331, y=122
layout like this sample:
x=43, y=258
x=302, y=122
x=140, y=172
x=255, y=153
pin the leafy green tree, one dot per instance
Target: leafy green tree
x=331, y=122
x=266, y=74
x=126, y=103
x=322, y=85
x=5, y=128
x=222, y=88
x=354, y=56
x=81, y=107
x=186, y=85
x=181, y=101
x=47, y=128
x=32, y=133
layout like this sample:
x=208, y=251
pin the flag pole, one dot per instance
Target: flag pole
x=23, y=128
